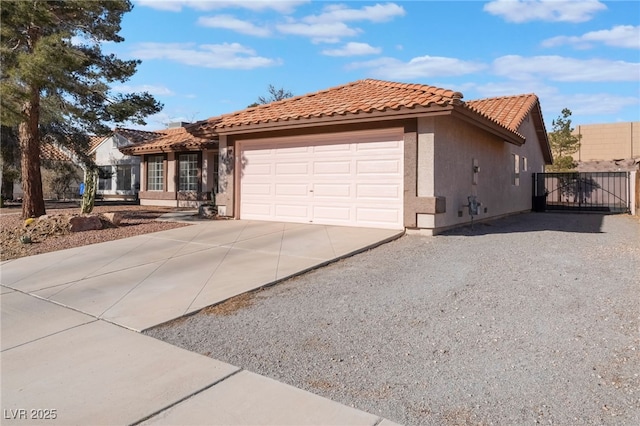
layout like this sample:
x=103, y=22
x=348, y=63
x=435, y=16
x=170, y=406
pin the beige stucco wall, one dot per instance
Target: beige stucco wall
x=456, y=144
x=609, y=141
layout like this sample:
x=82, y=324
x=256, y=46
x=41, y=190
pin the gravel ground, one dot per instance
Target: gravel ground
x=530, y=319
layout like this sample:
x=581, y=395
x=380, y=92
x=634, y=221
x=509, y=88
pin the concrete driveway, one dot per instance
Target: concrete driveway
x=144, y=281
x=65, y=362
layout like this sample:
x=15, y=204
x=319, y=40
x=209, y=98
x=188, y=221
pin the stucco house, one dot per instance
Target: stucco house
x=119, y=174
x=369, y=153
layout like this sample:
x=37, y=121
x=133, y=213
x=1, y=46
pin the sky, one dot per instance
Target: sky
x=206, y=58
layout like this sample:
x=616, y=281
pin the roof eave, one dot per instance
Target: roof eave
x=174, y=147
x=401, y=113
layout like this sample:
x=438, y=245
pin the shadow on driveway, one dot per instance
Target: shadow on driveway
x=534, y=222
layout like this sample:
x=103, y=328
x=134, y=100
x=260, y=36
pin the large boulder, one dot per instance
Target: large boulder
x=85, y=223
x=114, y=218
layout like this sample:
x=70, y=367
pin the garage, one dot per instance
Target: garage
x=349, y=179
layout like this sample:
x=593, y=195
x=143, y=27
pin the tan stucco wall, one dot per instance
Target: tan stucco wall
x=603, y=142
x=456, y=144
x=225, y=197
x=169, y=196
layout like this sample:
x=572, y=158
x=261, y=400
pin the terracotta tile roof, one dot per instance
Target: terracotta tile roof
x=508, y=111
x=95, y=141
x=50, y=152
x=176, y=139
x=362, y=96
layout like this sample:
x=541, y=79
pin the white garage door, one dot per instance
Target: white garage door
x=351, y=179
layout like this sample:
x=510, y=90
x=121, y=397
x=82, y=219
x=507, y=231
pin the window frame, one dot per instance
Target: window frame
x=515, y=172
x=101, y=181
x=198, y=169
x=163, y=170
x=129, y=176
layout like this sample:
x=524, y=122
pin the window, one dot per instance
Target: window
x=524, y=164
x=104, y=178
x=516, y=170
x=188, y=172
x=123, y=178
x=155, y=173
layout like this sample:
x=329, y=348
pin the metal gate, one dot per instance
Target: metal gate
x=604, y=192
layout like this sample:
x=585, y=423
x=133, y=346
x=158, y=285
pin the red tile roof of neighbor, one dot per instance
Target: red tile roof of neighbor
x=175, y=139
x=357, y=99
x=51, y=152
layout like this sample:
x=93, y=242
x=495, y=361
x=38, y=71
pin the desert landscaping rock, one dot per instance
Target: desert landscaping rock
x=114, y=218
x=84, y=223
x=530, y=319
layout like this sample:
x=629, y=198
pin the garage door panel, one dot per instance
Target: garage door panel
x=326, y=213
x=291, y=190
x=257, y=209
x=377, y=215
x=332, y=148
x=256, y=188
x=299, y=213
x=378, y=167
x=292, y=168
x=332, y=168
x=338, y=190
x=287, y=150
x=258, y=169
x=378, y=191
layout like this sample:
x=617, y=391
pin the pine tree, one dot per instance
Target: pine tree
x=55, y=79
x=563, y=143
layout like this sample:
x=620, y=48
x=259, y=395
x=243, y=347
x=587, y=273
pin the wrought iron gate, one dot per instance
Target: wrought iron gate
x=604, y=192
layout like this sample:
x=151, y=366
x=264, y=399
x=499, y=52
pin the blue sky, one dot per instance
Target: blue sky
x=206, y=58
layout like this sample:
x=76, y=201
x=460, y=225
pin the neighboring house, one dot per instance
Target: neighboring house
x=60, y=171
x=119, y=174
x=369, y=153
x=608, y=147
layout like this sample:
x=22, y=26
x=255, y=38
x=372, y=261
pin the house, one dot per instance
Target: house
x=60, y=170
x=608, y=147
x=179, y=168
x=118, y=174
x=369, y=153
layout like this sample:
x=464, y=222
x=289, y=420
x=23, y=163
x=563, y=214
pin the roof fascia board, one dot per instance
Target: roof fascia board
x=487, y=125
x=541, y=131
x=403, y=113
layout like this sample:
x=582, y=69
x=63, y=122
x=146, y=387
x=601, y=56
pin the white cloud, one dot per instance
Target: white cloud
x=558, y=68
x=626, y=36
x=224, y=56
x=230, y=23
x=419, y=67
x=342, y=13
x=329, y=32
x=154, y=90
x=545, y=10
x=282, y=6
x=330, y=26
x=353, y=49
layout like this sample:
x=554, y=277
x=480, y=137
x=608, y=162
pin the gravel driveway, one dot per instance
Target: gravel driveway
x=529, y=319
